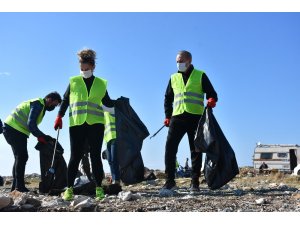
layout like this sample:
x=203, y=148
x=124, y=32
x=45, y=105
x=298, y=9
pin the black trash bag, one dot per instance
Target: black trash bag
x=220, y=163
x=1, y=181
x=52, y=183
x=1, y=127
x=131, y=132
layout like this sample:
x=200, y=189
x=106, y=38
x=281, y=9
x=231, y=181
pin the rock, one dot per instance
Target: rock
x=7, y=182
x=136, y=196
x=84, y=204
x=160, y=175
x=34, y=202
x=27, y=206
x=166, y=193
x=260, y=201
x=296, y=196
x=272, y=185
x=18, y=197
x=5, y=202
x=125, y=196
x=283, y=186
x=78, y=199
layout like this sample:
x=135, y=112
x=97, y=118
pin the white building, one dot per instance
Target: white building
x=284, y=157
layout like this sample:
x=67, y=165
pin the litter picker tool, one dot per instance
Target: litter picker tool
x=157, y=131
x=50, y=173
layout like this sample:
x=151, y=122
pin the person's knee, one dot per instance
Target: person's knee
x=22, y=157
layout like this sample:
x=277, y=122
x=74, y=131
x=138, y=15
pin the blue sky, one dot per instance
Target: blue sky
x=252, y=59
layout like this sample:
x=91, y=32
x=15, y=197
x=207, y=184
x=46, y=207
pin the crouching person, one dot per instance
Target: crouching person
x=17, y=128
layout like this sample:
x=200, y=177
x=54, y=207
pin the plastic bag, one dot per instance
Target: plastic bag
x=220, y=164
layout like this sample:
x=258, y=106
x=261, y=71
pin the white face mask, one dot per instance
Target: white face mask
x=181, y=67
x=86, y=74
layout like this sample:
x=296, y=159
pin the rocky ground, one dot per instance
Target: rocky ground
x=248, y=192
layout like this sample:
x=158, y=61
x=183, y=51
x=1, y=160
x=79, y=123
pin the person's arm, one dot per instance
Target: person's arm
x=65, y=103
x=107, y=101
x=168, y=104
x=35, y=109
x=208, y=88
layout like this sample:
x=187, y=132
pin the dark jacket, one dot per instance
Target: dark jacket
x=169, y=95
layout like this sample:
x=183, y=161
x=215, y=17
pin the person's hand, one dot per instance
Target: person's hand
x=211, y=103
x=167, y=122
x=58, y=122
x=45, y=139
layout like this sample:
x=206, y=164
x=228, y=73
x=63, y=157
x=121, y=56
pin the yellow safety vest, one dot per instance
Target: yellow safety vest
x=86, y=107
x=19, y=117
x=110, y=127
x=188, y=98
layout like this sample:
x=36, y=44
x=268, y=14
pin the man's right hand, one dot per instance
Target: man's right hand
x=58, y=122
x=167, y=122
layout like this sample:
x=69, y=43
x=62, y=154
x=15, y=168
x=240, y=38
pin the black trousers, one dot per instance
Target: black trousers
x=93, y=134
x=177, y=129
x=18, y=142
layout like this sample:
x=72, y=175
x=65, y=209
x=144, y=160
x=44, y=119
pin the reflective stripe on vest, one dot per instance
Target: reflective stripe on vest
x=86, y=107
x=190, y=97
x=19, y=117
x=110, y=127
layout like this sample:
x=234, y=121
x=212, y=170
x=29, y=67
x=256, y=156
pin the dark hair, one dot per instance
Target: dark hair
x=87, y=56
x=54, y=96
x=186, y=54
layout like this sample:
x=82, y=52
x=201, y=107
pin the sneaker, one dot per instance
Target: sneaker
x=68, y=194
x=99, y=193
x=170, y=185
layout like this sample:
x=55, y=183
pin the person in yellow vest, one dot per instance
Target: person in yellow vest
x=110, y=136
x=84, y=97
x=184, y=105
x=17, y=128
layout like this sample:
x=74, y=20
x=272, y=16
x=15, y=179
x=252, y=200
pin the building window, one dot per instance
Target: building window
x=282, y=155
x=266, y=155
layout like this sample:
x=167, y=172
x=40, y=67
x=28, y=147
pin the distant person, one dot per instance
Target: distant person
x=184, y=105
x=83, y=96
x=17, y=128
x=186, y=166
x=263, y=167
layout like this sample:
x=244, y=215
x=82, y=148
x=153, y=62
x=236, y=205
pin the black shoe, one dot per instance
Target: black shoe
x=170, y=185
x=194, y=186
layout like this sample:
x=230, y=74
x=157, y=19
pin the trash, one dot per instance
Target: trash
x=220, y=163
x=131, y=133
x=260, y=201
x=58, y=180
x=5, y=202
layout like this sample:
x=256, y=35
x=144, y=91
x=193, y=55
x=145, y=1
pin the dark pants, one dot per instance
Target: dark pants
x=178, y=128
x=112, y=157
x=93, y=134
x=18, y=142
